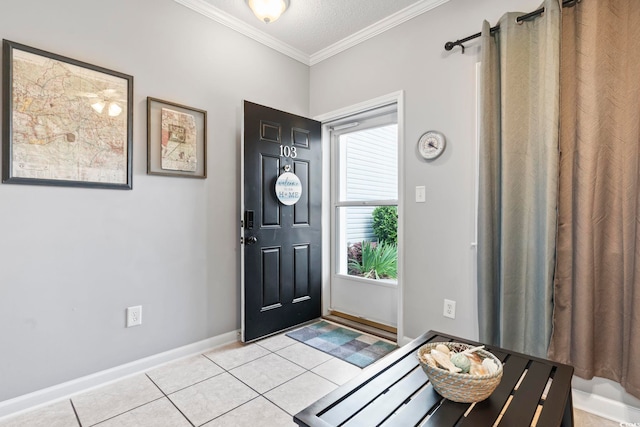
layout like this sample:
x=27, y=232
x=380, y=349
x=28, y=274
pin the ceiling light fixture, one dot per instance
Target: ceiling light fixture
x=268, y=10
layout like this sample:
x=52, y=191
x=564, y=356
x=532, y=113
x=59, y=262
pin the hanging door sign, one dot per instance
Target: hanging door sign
x=288, y=188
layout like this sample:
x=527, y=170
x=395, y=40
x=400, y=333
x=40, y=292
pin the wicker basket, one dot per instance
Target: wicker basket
x=458, y=387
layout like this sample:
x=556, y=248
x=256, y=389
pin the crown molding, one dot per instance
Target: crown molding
x=206, y=9
x=373, y=30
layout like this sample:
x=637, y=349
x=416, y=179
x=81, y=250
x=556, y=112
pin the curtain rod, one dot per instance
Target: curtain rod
x=451, y=45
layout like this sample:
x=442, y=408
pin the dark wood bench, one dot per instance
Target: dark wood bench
x=395, y=391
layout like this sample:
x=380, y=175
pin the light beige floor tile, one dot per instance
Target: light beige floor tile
x=236, y=354
x=183, y=373
x=159, y=413
x=114, y=399
x=303, y=355
x=300, y=392
x=211, y=398
x=276, y=342
x=267, y=372
x=258, y=412
x=337, y=371
x=55, y=415
x=586, y=419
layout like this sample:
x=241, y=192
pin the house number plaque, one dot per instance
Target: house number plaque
x=286, y=151
x=288, y=188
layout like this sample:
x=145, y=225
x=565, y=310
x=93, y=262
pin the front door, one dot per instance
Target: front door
x=281, y=236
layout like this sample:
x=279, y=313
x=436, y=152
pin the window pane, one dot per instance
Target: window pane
x=369, y=164
x=358, y=224
x=356, y=231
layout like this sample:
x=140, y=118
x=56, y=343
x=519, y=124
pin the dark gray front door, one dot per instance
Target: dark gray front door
x=281, y=242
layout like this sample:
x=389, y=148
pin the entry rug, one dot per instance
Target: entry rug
x=351, y=346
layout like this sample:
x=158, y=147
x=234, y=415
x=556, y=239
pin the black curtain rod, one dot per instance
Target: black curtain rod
x=451, y=45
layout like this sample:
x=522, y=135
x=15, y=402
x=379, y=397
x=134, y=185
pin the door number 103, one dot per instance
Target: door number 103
x=287, y=151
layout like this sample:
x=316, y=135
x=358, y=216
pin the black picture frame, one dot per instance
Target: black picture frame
x=65, y=122
x=155, y=107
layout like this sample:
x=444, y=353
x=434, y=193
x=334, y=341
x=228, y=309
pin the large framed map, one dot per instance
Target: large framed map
x=65, y=122
x=176, y=139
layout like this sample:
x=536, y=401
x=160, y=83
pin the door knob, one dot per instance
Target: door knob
x=251, y=240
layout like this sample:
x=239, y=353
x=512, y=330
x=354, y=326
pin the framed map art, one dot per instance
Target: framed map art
x=65, y=122
x=176, y=139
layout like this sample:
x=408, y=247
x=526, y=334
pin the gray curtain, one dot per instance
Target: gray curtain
x=596, y=324
x=518, y=180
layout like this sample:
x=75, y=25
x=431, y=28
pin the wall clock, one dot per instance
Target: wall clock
x=431, y=144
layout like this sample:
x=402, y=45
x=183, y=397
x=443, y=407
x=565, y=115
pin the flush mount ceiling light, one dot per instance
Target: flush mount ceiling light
x=268, y=10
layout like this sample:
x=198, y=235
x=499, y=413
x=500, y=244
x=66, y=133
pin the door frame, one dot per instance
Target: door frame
x=327, y=264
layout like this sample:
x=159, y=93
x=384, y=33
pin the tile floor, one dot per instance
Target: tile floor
x=260, y=384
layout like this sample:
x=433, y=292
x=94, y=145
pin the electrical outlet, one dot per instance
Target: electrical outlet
x=449, y=309
x=134, y=316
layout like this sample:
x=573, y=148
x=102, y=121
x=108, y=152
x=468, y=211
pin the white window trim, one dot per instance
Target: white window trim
x=332, y=117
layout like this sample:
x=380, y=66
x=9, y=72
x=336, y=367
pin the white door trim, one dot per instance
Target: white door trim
x=398, y=99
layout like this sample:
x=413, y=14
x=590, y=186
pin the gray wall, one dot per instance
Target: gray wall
x=71, y=259
x=439, y=86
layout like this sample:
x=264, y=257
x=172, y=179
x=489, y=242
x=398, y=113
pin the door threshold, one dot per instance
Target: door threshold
x=367, y=326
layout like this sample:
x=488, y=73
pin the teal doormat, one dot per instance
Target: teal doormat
x=351, y=346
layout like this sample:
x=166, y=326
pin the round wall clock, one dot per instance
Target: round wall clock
x=431, y=144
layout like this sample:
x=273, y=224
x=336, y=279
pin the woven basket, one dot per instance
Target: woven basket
x=458, y=387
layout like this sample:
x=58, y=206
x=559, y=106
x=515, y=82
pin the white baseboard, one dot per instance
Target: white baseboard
x=605, y=407
x=65, y=390
x=404, y=341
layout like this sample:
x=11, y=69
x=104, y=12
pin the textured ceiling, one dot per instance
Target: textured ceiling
x=311, y=26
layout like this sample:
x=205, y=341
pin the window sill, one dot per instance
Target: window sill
x=386, y=283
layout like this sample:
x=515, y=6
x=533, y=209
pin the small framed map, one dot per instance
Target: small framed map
x=176, y=139
x=65, y=122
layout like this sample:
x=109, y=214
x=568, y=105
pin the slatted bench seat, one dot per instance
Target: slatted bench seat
x=395, y=391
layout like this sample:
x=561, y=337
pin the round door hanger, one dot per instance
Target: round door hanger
x=288, y=188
